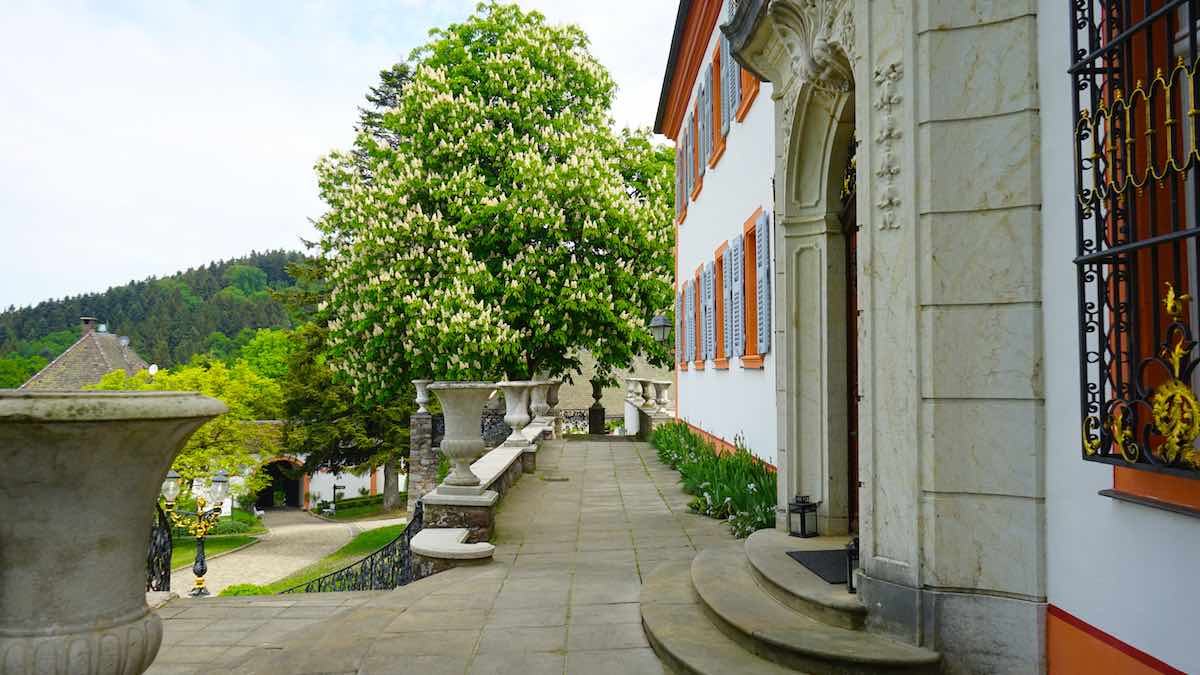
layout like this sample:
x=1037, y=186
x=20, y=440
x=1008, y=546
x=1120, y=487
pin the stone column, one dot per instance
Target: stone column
x=422, y=458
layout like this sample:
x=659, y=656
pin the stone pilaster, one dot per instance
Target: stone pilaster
x=422, y=458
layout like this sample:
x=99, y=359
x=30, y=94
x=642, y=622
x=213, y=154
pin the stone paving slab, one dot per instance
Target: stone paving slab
x=560, y=597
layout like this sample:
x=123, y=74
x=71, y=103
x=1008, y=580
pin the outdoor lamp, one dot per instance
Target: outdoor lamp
x=807, y=510
x=198, y=523
x=170, y=486
x=219, y=489
x=660, y=328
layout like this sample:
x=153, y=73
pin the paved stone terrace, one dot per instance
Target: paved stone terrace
x=573, y=543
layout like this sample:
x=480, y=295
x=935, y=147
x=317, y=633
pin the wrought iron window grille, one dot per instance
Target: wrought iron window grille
x=1136, y=127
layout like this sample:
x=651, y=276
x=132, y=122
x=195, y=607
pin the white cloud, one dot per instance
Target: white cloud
x=147, y=137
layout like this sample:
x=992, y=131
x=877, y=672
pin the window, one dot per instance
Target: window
x=697, y=318
x=756, y=290
x=694, y=149
x=721, y=280
x=748, y=89
x=1138, y=251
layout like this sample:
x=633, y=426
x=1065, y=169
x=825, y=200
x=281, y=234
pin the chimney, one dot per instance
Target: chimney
x=89, y=323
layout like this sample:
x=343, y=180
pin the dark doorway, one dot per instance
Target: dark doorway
x=850, y=228
x=284, y=488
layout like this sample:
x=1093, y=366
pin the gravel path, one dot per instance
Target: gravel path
x=295, y=540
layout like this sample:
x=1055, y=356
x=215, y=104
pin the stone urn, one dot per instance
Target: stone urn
x=84, y=470
x=661, y=397
x=552, y=396
x=422, y=394
x=538, y=403
x=633, y=390
x=516, y=409
x=462, y=404
x=648, y=397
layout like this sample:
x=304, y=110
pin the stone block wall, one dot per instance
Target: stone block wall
x=422, y=458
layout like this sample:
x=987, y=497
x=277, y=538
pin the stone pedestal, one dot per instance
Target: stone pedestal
x=478, y=518
x=422, y=458
x=596, y=421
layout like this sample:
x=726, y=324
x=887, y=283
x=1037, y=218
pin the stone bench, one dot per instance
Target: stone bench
x=436, y=549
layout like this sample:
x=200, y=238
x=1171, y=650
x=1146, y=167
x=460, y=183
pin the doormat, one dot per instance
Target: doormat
x=829, y=565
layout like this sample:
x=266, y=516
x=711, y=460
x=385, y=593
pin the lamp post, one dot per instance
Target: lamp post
x=198, y=522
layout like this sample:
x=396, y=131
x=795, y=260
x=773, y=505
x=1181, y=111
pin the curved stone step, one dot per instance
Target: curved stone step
x=745, y=612
x=792, y=584
x=681, y=633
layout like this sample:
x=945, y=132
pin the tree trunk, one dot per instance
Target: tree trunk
x=391, y=485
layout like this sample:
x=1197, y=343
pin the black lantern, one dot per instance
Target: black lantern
x=851, y=564
x=660, y=328
x=807, y=510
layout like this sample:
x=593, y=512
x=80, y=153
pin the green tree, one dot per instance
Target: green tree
x=508, y=228
x=323, y=420
x=15, y=369
x=382, y=98
x=246, y=279
x=234, y=441
x=268, y=351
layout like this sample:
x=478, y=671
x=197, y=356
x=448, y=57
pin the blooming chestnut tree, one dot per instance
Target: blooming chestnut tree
x=506, y=226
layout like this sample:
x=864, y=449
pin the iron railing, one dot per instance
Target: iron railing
x=491, y=426
x=389, y=567
x=1136, y=127
x=158, y=558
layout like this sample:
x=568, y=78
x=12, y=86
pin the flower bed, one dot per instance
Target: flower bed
x=734, y=486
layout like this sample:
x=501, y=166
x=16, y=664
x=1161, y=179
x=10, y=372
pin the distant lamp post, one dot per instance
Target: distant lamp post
x=660, y=329
x=198, y=522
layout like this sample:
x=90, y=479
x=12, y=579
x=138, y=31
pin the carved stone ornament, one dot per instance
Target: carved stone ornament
x=887, y=99
x=819, y=37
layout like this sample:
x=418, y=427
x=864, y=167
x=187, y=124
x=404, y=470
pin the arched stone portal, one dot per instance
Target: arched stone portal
x=286, y=474
x=806, y=49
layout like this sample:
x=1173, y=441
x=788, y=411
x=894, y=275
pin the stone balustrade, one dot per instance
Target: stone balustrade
x=647, y=404
x=459, y=519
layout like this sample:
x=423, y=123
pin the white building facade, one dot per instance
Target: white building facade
x=975, y=363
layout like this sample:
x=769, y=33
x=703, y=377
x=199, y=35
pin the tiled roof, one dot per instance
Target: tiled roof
x=85, y=362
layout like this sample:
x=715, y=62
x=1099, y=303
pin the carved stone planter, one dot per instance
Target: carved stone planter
x=462, y=403
x=84, y=470
x=552, y=396
x=516, y=413
x=538, y=404
x=422, y=394
x=661, y=395
x=648, y=397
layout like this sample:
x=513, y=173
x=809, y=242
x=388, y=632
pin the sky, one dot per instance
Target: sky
x=141, y=138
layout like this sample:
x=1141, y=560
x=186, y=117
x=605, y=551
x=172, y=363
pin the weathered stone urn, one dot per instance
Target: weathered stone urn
x=422, y=394
x=538, y=405
x=516, y=411
x=462, y=404
x=82, y=472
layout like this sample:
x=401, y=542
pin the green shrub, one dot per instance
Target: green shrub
x=230, y=526
x=245, y=589
x=360, y=501
x=443, y=467
x=733, y=486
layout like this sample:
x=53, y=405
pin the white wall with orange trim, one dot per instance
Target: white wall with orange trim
x=1125, y=569
x=737, y=401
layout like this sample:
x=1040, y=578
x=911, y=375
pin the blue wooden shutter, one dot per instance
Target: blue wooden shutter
x=727, y=299
x=727, y=107
x=678, y=183
x=762, y=265
x=702, y=126
x=709, y=310
x=678, y=326
x=689, y=346
x=739, y=290
x=688, y=153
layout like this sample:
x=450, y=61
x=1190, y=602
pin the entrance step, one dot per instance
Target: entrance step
x=739, y=607
x=794, y=585
x=681, y=634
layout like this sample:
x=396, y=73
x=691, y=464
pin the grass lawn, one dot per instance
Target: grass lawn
x=185, y=549
x=359, y=547
x=366, y=511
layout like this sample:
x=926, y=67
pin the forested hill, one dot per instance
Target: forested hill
x=167, y=320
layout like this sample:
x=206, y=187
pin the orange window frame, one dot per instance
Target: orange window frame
x=718, y=141
x=749, y=93
x=752, y=358
x=722, y=360
x=699, y=314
